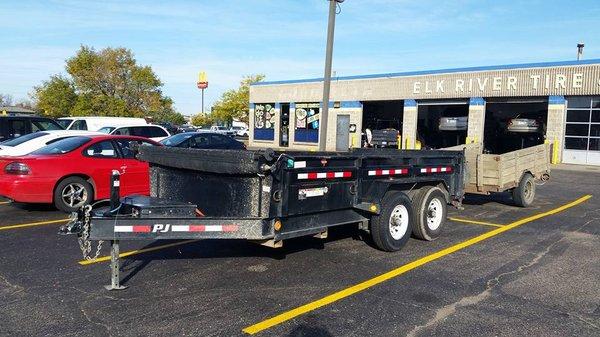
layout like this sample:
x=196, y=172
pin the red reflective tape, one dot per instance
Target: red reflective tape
x=347, y=174
x=141, y=229
x=197, y=228
x=330, y=175
x=312, y=175
x=230, y=228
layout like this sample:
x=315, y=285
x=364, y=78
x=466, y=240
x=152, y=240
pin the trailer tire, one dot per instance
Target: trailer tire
x=429, y=212
x=391, y=229
x=524, y=193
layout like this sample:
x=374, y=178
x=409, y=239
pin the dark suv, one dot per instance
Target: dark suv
x=16, y=126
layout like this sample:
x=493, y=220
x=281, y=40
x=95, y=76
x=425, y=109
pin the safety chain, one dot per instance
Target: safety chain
x=84, y=242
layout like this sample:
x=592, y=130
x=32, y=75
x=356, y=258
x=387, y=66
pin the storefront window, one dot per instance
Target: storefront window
x=264, y=121
x=307, y=122
x=264, y=116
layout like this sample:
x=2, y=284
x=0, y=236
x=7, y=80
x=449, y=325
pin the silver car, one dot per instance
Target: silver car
x=523, y=124
x=453, y=123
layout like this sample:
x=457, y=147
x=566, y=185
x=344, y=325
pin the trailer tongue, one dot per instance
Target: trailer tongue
x=267, y=197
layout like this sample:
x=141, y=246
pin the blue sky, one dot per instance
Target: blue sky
x=286, y=39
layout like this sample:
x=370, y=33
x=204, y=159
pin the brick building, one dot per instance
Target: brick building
x=505, y=107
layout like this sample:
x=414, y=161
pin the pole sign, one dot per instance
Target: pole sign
x=202, y=82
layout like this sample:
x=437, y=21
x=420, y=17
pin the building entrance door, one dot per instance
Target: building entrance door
x=284, y=125
x=342, y=134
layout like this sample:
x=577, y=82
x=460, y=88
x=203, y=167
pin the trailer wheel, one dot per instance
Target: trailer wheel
x=391, y=229
x=524, y=194
x=429, y=211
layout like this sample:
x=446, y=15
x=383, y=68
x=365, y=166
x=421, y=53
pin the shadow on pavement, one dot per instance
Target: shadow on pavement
x=233, y=248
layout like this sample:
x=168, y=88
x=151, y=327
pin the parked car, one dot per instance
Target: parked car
x=203, y=140
x=75, y=171
x=240, y=131
x=173, y=129
x=28, y=143
x=222, y=130
x=16, y=126
x=453, y=123
x=96, y=123
x=150, y=131
x=525, y=122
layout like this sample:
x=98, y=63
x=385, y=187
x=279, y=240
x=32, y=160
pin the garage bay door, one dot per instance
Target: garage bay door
x=582, y=133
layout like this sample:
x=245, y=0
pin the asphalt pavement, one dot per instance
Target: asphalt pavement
x=497, y=270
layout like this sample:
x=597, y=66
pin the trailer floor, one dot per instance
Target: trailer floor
x=537, y=279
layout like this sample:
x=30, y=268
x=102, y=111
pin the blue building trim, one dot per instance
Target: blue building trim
x=264, y=134
x=277, y=106
x=251, y=105
x=476, y=101
x=556, y=100
x=442, y=71
x=410, y=103
x=292, y=105
x=351, y=104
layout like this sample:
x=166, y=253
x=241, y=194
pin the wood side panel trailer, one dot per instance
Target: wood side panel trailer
x=515, y=171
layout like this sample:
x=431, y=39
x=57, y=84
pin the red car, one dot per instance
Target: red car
x=75, y=171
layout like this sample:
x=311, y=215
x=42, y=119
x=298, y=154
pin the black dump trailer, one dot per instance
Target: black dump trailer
x=269, y=196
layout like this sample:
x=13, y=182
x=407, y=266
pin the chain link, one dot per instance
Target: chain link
x=84, y=240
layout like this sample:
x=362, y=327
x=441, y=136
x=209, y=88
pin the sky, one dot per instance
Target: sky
x=286, y=39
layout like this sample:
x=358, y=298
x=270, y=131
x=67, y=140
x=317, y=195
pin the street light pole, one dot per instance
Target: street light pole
x=323, y=119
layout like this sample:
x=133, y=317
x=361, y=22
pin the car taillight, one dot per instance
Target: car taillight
x=16, y=168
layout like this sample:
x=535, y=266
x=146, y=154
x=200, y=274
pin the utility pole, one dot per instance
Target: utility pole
x=327, y=76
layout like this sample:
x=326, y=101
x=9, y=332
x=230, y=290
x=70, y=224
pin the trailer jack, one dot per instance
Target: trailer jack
x=115, y=265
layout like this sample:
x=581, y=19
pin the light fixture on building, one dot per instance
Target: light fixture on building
x=580, y=50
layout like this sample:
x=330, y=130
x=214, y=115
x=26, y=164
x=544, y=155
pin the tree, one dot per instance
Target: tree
x=6, y=100
x=108, y=82
x=234, y=103
x=202, y=120
x=55, y=97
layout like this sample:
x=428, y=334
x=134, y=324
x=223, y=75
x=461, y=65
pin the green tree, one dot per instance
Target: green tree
x=55, y=97
x=109, y=82
x=234, y=103
x=202, y=120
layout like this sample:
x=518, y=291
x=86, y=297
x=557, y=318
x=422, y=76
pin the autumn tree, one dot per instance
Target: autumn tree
x=234, y=103
x=108, y=82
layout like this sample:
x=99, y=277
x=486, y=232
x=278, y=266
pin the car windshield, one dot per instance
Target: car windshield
x=63, y=146
x=45, y=124
x=106, y=129
x=23, y=139
x=176, y=139
x=64, y=122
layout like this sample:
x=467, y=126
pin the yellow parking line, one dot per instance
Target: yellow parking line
x=475, y=222
x=135, y=252
x=40, y=223
x=278, y=319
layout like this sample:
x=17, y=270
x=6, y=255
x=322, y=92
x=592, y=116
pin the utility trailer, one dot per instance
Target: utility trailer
x=515, y=171
x=268, y=196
